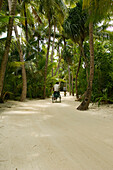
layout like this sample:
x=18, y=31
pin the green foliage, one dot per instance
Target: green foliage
x=103, y=76
x=3, y=22
x=104, y=99
x=3, y=18
x=75, y=25
x=103, y=80
x=35, y=49
x=67, y=54
x=99, y=9
x=82, y=81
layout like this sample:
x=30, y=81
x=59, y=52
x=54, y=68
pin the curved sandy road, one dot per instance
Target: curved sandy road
x=40, y=135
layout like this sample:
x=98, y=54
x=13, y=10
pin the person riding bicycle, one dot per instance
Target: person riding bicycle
x=56, y=95
x=56, y=89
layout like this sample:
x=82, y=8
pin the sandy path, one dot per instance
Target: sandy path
x=40, y=135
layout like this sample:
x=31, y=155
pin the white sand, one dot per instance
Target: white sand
x=41, y=135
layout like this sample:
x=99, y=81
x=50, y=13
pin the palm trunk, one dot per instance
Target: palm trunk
x=81, y=53
x=26, y=27
x=86, y=63
x=38, y=44
x=85, y=103
x=59, y=60
x=24, y=80
x=24, y=87
x=69, y=80
x=60, y=57
x=46, y=64
x=38, y=48
x=52, y=54
x=53, y=47
x=7, y=46
x=76, y=86
x=72, y=85
x=58, y=67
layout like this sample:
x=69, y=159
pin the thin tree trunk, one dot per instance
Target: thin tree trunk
x=76, y=86
x=58, y=67
x=38, y=48
x=53, y=47
x=47, y=55
x=38, y=44
x=52, y=54
x=81, y=54
x=26, y=27
x=24, y=79
x=85, y=103
x=66, y=85
x=7, y=47
x=69, y=80
x=60, y=57
x=86, y=63
x=72, y=85
x=59, y=60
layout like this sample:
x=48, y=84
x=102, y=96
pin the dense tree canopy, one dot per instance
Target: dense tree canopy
x=53, y=42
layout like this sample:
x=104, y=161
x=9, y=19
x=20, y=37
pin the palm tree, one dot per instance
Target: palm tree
x=68, y=57
x=24, y=79
x=24, y=88
x=47, y=55
x=75, y=27
x=100, y=12
x=49, y=8
x=27, y=14
x=59, y=54
x=7, y=46
x=24, y=9
x=85, y=103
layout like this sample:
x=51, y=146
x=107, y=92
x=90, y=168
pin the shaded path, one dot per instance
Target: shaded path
x=40, y=135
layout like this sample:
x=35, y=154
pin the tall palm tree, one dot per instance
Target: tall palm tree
x=99, y=9
x=24, y=79
x=46, y=8
x=47, y=55
x=7, y=46
x=76, y=29
x=85, y=103
x=49, y=8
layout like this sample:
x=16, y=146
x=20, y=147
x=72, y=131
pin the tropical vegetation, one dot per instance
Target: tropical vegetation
x=44, y=41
